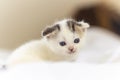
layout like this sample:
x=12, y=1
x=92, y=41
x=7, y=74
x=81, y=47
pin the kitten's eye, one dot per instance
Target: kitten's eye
x=62, y=43
x=77, y=40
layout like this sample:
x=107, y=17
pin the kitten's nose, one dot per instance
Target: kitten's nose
x=71, y=48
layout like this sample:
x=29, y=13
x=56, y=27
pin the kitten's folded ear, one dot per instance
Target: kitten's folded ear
x=77, y=25
x=51, y=31
x=82, y=26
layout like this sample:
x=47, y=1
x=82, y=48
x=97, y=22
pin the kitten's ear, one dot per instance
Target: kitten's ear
x=50, y=32
x=77, y=26
x=82, y=26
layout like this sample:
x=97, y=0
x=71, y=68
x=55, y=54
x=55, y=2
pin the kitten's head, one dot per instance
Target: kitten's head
x=65, y=37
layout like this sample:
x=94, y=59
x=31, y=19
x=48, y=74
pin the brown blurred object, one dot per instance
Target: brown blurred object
x=100, y=15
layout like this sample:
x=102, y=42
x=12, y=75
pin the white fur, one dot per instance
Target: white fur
x=48, y=49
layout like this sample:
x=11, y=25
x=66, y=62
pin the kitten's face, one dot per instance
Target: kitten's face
x=65, y=38
x=66, y=44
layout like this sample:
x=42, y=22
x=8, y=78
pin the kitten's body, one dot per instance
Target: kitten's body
x=57, y=44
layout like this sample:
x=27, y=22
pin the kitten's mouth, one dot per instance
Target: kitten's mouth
x=71, y=52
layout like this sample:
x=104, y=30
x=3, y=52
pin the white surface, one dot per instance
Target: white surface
x=3, y=56
x=63, y=71
x=101, y=46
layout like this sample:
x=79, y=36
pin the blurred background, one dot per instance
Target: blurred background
x=23, y=20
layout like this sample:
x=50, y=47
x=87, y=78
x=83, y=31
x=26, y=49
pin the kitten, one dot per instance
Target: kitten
x=60, y=42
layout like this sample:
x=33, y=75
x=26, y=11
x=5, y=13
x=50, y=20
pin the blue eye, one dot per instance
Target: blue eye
x=62, y=43
x=77, y=40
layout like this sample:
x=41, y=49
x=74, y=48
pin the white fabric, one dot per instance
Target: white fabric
x=62, y=71
x=101, y=47
x=3, y=56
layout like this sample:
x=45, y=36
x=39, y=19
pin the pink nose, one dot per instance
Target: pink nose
x=71, y=49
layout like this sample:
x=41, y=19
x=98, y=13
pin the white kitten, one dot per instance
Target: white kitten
x=60, y=42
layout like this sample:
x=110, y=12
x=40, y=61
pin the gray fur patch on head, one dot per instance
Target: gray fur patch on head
x=51, y=29
x=71, y=24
